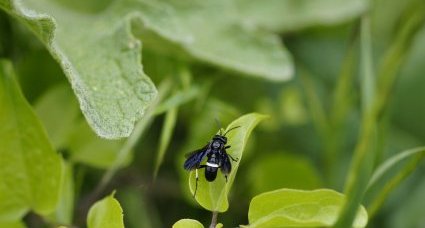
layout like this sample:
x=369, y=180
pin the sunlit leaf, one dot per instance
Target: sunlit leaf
x=102, y=59
x=30, y=169
x=298, y=208
x=188, y=223
x=213, y=196
x=99, y=56
x=106, y=213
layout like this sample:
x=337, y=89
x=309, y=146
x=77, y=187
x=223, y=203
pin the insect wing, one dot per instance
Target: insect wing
x=194, y=159
x=226, y=165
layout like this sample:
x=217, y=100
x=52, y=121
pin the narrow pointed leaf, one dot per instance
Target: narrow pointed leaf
x=390, y=174
x=30, y=169
x=166, y=134
x=213, y=196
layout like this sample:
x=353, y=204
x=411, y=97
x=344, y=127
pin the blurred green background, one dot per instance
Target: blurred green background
x=294, y=148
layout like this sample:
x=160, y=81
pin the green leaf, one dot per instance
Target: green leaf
x=30, y=169
x=281, y=170
x=287, y=15
x=390, y=174
x=188, y=223
x=58, y=111
x=106, y=213
x=17, y=224
x=177, y=99
x=213, y=195
x=298, y=208
x=65, y=208
x=99, y=56
x=166, y=134
x=87, y=148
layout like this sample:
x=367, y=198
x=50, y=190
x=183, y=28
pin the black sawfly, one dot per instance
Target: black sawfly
x=217, y=157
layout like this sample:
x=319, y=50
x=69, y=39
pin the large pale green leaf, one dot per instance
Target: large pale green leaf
x=213, y=195
x=298, y=208
x=30, y=169
x=188, y=223
x=106, y=213
x=99, y=56
x=290, y=15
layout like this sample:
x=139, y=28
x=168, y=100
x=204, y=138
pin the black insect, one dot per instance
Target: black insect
x=217, y=157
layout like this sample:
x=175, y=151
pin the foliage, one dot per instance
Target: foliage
x=112, y=94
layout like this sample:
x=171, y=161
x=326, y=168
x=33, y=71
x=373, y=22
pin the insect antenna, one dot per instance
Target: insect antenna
x=218, y=125
x=233, y=128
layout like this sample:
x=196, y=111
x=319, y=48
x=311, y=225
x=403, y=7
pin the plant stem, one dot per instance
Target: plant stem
x=214, y=219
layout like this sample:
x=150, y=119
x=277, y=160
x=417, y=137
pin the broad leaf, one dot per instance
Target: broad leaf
x=288, y=15
x=389, y=175
x=30, y=169
x=106, y=213
x=188, y=223
x=298, y=208
x=101, y=58
x=213, y=195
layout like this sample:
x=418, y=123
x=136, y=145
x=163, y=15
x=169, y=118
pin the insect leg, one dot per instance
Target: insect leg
x=234, y=159
x=227, y=147
x=197, y=178
x=196, y=182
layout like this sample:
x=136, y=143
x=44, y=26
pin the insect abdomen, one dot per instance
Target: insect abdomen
x=210, y=173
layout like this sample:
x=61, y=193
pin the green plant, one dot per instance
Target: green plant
x=100, y=100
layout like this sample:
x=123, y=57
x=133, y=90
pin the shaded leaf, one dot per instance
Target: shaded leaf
x=298, y=208
x=30, y=169
x=105, y=213
x=166, y=134
x=281, y=170
x=86, y=147
x=288, y=15
x=213, y=196
x=58, y=111
x=188, y=223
